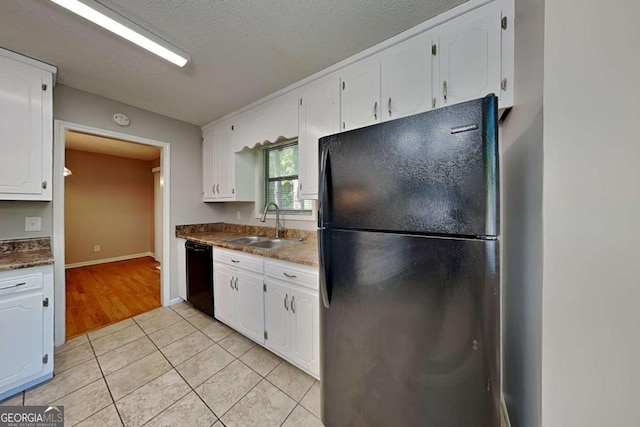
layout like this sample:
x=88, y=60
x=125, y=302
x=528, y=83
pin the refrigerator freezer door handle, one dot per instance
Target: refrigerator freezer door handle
x=323, y=186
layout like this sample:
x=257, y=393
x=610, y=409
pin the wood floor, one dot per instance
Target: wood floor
x=99, y=295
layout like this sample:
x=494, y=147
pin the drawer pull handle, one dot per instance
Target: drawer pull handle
x=18, y=284
x=290, y=276
x=235, y=260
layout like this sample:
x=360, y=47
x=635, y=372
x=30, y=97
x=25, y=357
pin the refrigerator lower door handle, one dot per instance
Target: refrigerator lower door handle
x=323, y=276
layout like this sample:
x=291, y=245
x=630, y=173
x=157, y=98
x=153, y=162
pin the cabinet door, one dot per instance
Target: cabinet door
x=407, y=77
x=208, y=165
x=224, y=294
x=249, y=306
x=25, y=167
x=305, y=329
x=223, y=162
x=360, y=94
x=21, y=329
x=470, y=56
x=277, y=317
x=319, y=115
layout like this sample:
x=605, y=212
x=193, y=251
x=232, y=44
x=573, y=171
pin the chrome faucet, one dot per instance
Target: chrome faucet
x=279, y=227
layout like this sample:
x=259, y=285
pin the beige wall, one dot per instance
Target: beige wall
x=108, y=202
x=522, y=176
x=591, y=319
x=185, y=141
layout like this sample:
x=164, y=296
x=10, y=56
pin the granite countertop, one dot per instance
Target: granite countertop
x=305, y=252
x=25, y=253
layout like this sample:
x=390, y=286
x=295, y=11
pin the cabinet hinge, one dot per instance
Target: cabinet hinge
x=45, y=359
x=44, y=185
x=264, y=287
x=503, y=84
x=433, y=103
x=44, y=87
x=45, y=302
x=266, y=335
x=434, y=50
x=233, y=191
x=503, y=23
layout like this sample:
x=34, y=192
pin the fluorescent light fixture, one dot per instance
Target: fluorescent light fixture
x=117, y=24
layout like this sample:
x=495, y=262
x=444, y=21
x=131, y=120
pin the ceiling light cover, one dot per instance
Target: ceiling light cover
x=117, y=24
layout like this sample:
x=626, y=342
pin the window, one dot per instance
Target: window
x=281, y=179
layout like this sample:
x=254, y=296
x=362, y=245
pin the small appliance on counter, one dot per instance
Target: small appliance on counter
x=409, y=271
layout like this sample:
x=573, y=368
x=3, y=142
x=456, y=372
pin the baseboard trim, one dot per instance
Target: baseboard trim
x=175, y=301
x=106, y=260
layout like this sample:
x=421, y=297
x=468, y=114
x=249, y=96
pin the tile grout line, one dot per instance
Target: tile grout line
x=104, y=379
x=177, y=372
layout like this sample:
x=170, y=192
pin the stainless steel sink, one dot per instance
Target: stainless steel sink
x=272, y=244
x=247, y=240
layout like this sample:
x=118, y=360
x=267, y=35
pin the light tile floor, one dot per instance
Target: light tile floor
x=175, y=367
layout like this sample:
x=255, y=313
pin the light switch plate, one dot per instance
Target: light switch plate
x=33, y=223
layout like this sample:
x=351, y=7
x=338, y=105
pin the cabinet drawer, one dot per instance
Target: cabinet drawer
x=239, y=260
x=20, y=282
x=291, y=274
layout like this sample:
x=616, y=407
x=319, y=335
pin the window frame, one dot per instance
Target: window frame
x=306, y=214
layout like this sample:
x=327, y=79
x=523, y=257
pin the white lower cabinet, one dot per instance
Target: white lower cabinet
x=249, y=305
x=274, y=303
x=26, y=328
x=292, y=324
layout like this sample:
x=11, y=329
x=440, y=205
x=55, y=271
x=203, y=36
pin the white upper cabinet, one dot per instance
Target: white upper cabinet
x=407, y=77
x=209, y=171
x=26, y=122
x=274, y=120
x=360, y=93
x=470, y=56
x=226, y=176
x=319, y=115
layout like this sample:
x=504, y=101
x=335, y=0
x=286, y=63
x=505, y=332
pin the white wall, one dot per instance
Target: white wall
x=247, y=213
x=186, y=152
x=522, y=175
x=13, y=213
x=591, y=296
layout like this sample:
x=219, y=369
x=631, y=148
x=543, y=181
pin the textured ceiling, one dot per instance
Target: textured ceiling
x=113, y=147
x=240, y=50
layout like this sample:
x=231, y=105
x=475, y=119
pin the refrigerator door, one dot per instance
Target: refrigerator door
x=410, y=331
x=432, y=173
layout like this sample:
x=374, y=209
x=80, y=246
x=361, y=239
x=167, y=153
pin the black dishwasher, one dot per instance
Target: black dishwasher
x=200, y=276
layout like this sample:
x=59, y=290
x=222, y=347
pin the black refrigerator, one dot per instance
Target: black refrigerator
x=409, y=271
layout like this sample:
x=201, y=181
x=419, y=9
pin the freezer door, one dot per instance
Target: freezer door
x=409, y=331
x=432, y=173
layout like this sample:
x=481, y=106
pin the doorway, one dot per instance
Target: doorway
x=99, y=256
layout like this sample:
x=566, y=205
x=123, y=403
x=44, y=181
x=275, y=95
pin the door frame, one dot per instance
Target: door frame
x=59, y=143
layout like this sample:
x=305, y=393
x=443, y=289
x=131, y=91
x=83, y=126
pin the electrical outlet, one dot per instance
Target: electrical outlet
x=238, y=215
x=33, y=223
x=96, y=248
